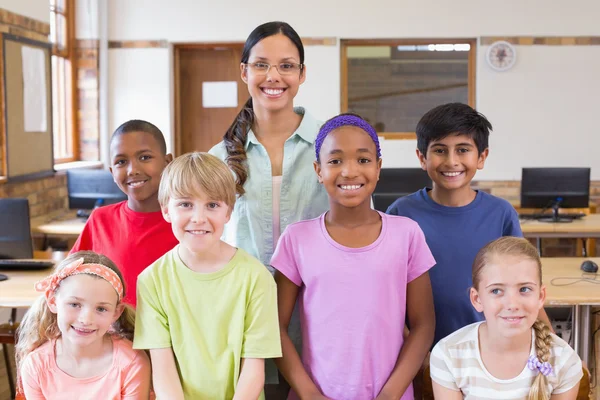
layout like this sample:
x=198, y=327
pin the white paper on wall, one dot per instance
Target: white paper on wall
x=219, y=94
x=34, y=89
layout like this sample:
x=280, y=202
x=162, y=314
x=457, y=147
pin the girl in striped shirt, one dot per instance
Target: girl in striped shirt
x=512, y=354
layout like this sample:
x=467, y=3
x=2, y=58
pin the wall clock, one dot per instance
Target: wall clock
x=501, y=55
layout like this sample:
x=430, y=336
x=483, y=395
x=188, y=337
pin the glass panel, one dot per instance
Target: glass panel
x=61, y=108
x=393, y=86
x=52, y=28
x=61, y=31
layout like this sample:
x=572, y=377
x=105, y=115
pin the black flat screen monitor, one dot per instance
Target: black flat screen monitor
x=92, y=187
x=398, y=182
x=555, y=187
x=15, y=232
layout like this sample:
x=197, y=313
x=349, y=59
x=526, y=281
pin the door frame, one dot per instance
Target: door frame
x=177, y=47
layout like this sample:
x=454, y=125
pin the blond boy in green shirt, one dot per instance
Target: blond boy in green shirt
x=206, y=310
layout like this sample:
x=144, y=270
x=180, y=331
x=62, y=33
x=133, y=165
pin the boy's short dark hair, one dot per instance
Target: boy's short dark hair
x=452, y=119
x=138, y=125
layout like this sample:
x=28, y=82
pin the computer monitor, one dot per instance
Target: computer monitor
x=15, y=232
x=555, y=188
x=398, y=182
x=89, y=188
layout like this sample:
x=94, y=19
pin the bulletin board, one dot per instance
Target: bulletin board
x=27, y=108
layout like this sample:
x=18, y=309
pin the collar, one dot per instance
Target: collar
x=307, y=130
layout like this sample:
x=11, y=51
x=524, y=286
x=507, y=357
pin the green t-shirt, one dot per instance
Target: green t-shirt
x=211, y=320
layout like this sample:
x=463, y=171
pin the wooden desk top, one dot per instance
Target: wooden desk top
x=58, y=224
x=588, y=226
x=17, y=291
x=576, y=292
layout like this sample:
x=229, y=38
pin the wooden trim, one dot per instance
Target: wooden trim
x=471, y=75
x=398, y=135
x=71, y=42
x=404, y=41
x=326, y=41
x=138, y=44
x=3, y=134
x=87, y=44
x=343, y=77
x=544, y=40
x=21, y=21
x=176, y=101
x=208, y=45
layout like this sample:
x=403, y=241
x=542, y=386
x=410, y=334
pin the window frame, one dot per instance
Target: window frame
x=345, y=43
x=69, y=78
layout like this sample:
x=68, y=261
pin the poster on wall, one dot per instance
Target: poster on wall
x=34, y=89
x=219, y=94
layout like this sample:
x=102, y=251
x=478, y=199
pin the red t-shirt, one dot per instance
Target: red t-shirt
x=132, y=240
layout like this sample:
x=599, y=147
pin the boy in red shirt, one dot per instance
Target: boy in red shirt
x=132, y=233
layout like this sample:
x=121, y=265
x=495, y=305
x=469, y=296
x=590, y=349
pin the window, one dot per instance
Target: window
x=62, y=27
x=392, y=83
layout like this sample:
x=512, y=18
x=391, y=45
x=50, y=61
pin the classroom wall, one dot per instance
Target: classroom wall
x=549, y=96
x=36, y=9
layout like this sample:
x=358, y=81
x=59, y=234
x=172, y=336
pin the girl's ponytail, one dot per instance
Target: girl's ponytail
x=235, y=143
x=125, y=325
x=543, y=344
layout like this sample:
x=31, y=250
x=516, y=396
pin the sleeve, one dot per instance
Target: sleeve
x=440, y=367
x=30, y=380
x=570, y=370
x=420, y=259
x=284, y=260
x=512, y=226
x=261, y=324
x=151, y=320
x=85, y=239
x=137, y=378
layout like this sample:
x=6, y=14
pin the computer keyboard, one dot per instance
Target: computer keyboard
x=25, y=264
x=549, y=215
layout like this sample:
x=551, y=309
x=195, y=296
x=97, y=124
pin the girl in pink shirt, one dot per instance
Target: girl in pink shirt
x=75, y=341
x=359, y=276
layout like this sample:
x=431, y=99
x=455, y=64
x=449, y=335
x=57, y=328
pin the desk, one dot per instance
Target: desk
x=585, y=228
x=580, y=295
x=17, y=291
x=62, y=224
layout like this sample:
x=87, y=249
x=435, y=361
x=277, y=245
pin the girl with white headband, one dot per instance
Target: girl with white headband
x=75, y=340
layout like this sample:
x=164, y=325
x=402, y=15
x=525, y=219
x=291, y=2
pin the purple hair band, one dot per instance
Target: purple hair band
x=345, y=120
x=544, y=367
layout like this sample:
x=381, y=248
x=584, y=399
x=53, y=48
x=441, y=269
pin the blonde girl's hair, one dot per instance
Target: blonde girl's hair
x=39, y=324
x=520, y=247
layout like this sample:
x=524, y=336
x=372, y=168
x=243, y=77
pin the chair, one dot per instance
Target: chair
x=397, y=182
x=15, y=242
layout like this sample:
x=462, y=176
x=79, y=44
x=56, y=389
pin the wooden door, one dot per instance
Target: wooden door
x=198, y=128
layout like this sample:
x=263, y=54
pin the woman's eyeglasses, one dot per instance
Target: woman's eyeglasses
x=262, y=68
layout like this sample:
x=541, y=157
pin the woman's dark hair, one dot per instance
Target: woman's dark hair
x=236, y=135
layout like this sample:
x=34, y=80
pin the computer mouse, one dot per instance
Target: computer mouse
x=3, y=277
x=589, y=266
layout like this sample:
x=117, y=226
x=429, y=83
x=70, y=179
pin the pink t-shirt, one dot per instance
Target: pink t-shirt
x=127, y=378
x=352, y=302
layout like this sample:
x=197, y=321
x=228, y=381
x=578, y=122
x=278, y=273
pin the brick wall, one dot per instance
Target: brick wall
x=398, y=92
x=45, y=195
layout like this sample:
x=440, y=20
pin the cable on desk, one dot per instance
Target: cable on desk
x=585, y=277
